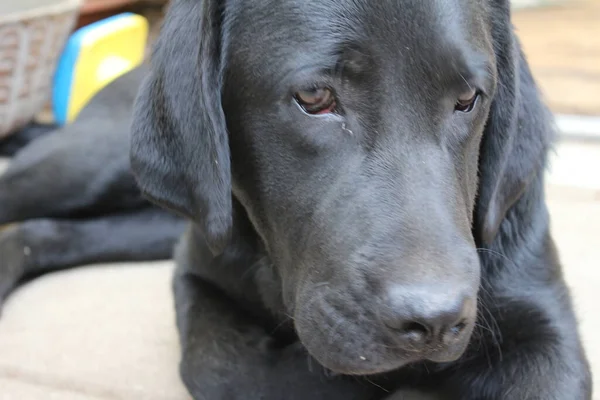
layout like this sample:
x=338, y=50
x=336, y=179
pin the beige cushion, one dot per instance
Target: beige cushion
x=91, y=333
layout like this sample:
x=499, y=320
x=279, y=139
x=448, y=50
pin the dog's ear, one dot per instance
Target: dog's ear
x=180, y=149
x=517, y=134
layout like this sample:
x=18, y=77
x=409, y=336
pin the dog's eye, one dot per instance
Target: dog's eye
x=466, y=101
x=317, y=100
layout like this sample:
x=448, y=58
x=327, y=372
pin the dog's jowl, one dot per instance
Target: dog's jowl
x=364, y=184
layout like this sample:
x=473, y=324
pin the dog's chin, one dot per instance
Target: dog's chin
x=360, y=366
x=371, y=359
x=366, y=367
x=367, y=370
x=353, y=358
x=343, y=346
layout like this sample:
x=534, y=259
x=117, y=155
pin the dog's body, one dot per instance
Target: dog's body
x=68, y=197
x=365, y=184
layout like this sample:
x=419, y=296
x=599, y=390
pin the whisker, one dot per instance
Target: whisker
x=376, y=385
x=497, y=254
x=488, y=325
x=253, y=267
x=289, y=316
x=426, y=368
x=493, y=328
x=467, y=82
x=285, y=320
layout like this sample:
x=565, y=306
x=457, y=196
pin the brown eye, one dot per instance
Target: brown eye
x=316, y=101
x=466, y=101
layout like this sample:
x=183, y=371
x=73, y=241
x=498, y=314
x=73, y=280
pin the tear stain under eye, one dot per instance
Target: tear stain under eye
x=344, y=128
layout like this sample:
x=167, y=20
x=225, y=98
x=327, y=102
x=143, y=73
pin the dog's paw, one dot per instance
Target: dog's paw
x=13, y=258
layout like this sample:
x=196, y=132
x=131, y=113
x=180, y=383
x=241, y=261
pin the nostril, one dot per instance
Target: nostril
x=414, y=332
x=455, y=333
x=426, y=319
x=458, y=328
x=415, y=327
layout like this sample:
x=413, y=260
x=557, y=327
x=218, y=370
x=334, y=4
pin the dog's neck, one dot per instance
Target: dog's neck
x=243, y=271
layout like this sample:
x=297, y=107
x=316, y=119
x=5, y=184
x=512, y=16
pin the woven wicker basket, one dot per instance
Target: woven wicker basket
x=32, y=36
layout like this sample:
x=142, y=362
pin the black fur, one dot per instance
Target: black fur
x=68, y=197
x=184, y=172
x=309, y=232
x=10, y=145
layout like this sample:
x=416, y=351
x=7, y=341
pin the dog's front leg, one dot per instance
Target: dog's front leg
x=40, y=246
x=226, y=355
x=533, y=354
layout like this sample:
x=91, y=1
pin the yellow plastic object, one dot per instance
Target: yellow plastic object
x=94, y=56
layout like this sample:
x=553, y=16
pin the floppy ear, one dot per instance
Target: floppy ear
x=180, y=148
x=517, y=134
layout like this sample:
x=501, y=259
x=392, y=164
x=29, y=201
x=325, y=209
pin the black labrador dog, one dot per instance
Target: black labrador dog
x=364, y=184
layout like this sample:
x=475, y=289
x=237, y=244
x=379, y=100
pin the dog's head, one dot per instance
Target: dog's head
x=372, y=145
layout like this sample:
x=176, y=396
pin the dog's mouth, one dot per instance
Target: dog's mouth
x=373, y=359
x=351, y=340
x=376, y=361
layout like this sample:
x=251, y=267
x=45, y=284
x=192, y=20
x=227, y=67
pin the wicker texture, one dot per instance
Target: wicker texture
x=29, y=51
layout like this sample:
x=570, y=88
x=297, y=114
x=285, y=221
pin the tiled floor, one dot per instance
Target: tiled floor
x=563, y=47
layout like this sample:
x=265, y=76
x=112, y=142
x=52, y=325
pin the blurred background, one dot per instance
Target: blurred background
x=59, y=336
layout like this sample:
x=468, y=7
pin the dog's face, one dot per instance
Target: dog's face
x=350, y=132
x=355, y=132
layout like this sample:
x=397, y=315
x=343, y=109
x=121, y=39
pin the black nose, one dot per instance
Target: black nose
x=429, y=318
